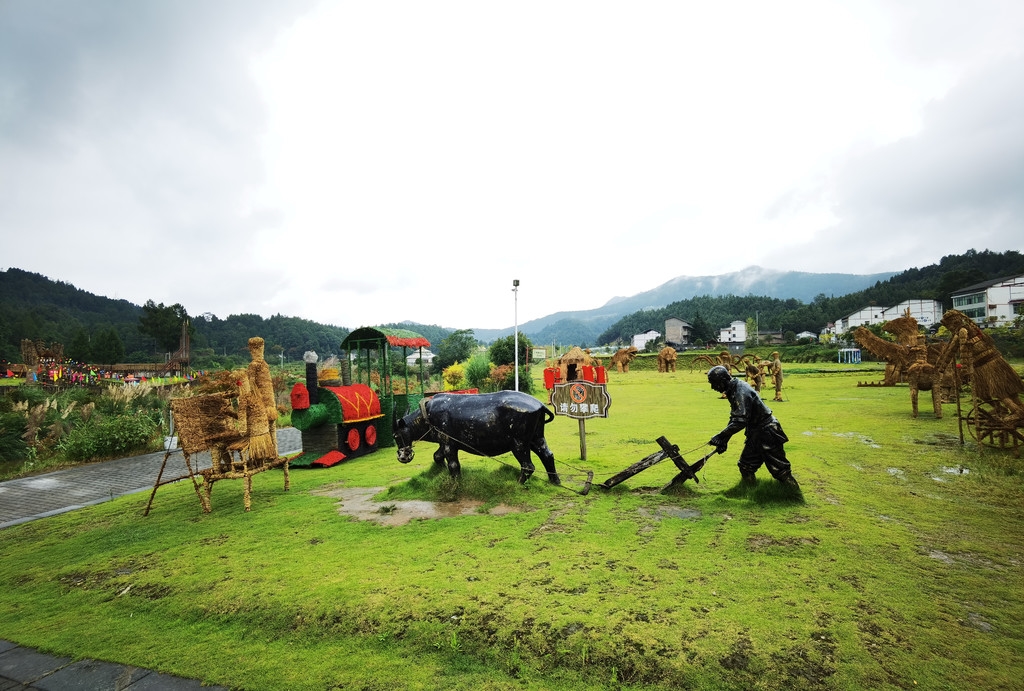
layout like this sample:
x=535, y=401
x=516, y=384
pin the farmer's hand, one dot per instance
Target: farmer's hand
x=720, y=443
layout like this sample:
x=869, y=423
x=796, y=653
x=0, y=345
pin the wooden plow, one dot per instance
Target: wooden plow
x=668, y=450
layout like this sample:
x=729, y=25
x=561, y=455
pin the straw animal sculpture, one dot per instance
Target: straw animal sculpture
x=667, y=359
x=623, y=357
x=724, y=358
x=912, y=360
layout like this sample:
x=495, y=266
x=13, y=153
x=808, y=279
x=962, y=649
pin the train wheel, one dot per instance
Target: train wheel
x=353, y=439
x=371, y=435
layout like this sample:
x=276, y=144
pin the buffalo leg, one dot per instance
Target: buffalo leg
x=439, y=456
x=540, y=447
x=452, y=455
x=522, y=454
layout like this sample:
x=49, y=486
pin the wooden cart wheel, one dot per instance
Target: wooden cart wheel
x=992, y=423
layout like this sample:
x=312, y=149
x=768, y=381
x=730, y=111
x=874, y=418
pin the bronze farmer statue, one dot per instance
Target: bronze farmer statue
x=764, y=435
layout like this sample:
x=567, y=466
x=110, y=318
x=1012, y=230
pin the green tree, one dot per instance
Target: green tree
x=503, y=350
x=457, y=347
x=107, y=347
x=702, y=331
x=79, y=349
x=953, y=281
x=163, y=324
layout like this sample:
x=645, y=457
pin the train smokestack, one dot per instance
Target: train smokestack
x=312, y=383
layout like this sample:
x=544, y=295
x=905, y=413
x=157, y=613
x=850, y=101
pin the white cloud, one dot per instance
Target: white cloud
x=360, y=163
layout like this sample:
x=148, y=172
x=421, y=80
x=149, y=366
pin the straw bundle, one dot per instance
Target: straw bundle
x=200, y=420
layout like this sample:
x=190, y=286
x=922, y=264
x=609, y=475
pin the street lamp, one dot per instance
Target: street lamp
x=515, y=328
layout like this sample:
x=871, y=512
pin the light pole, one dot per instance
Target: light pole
x=515, y=329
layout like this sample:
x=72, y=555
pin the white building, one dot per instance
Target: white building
x=411, y=358
x=992, y=303
x=806, y=334
x=640, y=341
x=926, y=312
x=872, y=314
x=736, y=332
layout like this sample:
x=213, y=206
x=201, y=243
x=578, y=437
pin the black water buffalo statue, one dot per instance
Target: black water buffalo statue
x=482, y=424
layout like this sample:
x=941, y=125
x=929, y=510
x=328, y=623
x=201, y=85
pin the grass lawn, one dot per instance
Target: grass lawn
x=899, y=567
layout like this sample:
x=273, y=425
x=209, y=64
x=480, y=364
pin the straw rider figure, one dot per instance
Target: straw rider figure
x=261, y=411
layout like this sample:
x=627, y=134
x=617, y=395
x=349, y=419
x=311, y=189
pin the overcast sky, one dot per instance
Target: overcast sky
x=358, y=163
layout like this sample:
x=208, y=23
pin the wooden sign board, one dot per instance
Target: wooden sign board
x=581, y=400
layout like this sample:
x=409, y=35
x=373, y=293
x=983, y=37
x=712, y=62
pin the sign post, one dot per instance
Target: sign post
x=581, y=400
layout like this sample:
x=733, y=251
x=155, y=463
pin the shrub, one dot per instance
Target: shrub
x=503, y=378
x=110, y=438
x=478, y=371
x=12, y=433
x=454, y=377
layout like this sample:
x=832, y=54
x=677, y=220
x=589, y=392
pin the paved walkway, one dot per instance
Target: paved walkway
x=39, y=496
x=32, y=498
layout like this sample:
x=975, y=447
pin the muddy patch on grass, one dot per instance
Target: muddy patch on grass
x=768, y=543
x=358, y=502
x=661, y=512
x=939, y=439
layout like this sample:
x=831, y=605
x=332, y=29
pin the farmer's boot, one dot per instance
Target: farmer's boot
x=748, y=478
x=788, y=479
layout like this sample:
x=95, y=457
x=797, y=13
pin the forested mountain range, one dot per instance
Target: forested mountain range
x=935, y=281
x=586, y=326
x=35, y=307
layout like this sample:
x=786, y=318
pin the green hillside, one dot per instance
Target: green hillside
x=35, y=307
